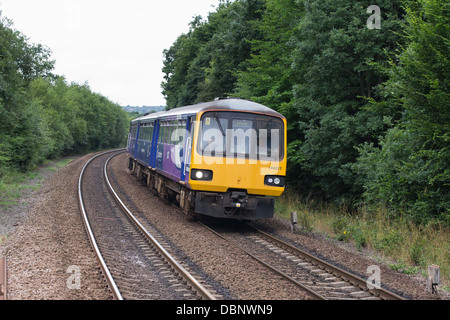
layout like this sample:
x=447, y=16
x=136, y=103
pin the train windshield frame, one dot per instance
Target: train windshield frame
x=241, y=135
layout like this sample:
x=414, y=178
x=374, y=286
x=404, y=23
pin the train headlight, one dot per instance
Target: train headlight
x=275, y=181
x=199, y=174
x=205, y=175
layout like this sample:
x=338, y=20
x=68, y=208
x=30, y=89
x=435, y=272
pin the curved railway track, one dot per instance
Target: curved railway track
x=319, y=278
x=336, y=282
x=311, y=274
x=135, y=264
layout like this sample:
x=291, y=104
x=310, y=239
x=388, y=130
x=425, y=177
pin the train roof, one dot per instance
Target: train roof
x=227, y=104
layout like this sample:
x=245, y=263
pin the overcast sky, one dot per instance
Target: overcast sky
x=114, y=45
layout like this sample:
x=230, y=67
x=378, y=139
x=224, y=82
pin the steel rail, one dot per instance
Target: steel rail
x=284, y=275
x=109, y=279
x=361, y=283
x=197, y=286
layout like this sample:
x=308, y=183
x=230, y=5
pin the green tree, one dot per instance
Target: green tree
x=57, y=114
x=269, y=78
x=333, y=60
x=20, y=63
x=41, y=115
x=230, y=47
x=411, y=171
x=203, y=64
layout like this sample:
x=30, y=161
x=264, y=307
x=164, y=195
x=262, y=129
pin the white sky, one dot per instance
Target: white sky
x=115, y=46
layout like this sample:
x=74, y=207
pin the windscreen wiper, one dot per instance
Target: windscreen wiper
x=220, y=125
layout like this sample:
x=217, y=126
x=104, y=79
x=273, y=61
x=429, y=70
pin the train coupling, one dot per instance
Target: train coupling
x=240, y=199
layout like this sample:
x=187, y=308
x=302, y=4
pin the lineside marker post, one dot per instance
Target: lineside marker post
x=294, y=221
x=3, y=293
x=433, y=278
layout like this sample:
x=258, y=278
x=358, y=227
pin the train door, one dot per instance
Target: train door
x=136, y=141
x=154, y=144
x=186, y=165
x=160, y=145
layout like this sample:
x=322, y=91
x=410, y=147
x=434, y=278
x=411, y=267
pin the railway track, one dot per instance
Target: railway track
x=319, y=278
x=135, y=261
x=335, y=282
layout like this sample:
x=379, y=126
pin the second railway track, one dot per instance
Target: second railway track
x=136, y=265
x=319, y=278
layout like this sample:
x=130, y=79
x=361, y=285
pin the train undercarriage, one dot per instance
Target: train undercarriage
x=232, y=204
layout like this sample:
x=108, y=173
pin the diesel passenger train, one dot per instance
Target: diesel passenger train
x=225, y=158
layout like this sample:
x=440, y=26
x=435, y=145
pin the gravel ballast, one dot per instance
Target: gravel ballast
x=48, y=250
x=47, y=246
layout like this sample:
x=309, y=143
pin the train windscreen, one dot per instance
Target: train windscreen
x=241, y=135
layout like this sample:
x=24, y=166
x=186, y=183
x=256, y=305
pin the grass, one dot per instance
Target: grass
x=55, y=166
x=407, y=247
x=14, y=183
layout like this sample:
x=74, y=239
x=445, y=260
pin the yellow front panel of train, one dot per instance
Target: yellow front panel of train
x=237, y=173
x=239, y=176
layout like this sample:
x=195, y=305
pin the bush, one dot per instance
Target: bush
x=358, y=235
x=410, y=172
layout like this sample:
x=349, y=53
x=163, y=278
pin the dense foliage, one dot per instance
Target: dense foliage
x=411, y=169
x=41, y=116
x=368, y=109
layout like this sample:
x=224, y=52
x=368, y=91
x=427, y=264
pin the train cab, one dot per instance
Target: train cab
x=225, y=158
